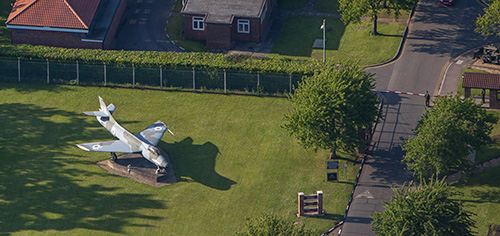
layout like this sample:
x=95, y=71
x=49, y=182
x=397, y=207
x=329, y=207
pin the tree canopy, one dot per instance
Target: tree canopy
x=489, y=23
x=332, y=108
x=446, y=135
x=426, y=210
x=272, y=225
x=352, y=11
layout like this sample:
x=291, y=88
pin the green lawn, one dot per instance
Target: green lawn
x=353, y=42
x=481, y=195
x=231, y=157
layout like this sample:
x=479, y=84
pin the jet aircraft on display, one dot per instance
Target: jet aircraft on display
x=144, y=142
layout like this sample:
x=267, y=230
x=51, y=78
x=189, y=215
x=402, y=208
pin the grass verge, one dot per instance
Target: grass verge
x=481, y=195
x=352, y=42
x=231, y=157
x=175, y=31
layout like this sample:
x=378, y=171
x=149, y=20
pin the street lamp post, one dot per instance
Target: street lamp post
x=323, y=26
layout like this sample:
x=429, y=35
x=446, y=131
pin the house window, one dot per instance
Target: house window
x=244, y=26
x=198, y=23
x=498, y=95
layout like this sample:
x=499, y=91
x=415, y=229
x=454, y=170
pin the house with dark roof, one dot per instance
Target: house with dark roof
x=221, y=22
x=472, y=80
x=65, y=23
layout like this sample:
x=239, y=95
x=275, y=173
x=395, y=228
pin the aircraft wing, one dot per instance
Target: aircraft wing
x=153, y=133
x=107, y=146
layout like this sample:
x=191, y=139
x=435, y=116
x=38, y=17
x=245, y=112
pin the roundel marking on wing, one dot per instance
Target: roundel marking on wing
x=159, y=128
x=96, y=146
x=113, y=130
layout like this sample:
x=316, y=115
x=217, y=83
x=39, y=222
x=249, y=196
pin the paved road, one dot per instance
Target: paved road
x=437, y=35
x=143, y=26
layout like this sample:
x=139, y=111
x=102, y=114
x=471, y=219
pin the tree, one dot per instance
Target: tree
x=272, y=225
x=489, y=23
x=426, y=210
x=332, y=108
x=446, y=135
x=352, y=11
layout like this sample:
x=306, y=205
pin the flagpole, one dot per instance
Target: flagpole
x=324, y=41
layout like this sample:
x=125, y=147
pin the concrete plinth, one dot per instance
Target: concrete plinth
x=141, y=170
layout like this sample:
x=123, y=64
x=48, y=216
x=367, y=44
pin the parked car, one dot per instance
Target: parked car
x=447, y=2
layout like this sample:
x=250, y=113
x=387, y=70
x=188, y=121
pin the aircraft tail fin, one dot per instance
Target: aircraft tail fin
x=105, y=111
x=104, y=108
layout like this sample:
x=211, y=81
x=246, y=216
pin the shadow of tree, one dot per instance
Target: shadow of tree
x=453, y=29
x=197, y=162
x=41, y=189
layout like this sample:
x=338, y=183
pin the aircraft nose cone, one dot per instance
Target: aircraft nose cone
x=162, y=161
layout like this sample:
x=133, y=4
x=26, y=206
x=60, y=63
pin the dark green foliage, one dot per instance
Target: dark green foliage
x=272, y=225
x=446, y=134
x=489, y=23
x=165, y=59
x=352, y=11
x=332, y=108
x=424, y=210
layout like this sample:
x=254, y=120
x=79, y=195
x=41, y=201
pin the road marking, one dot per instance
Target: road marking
x=133, y=21
x=147, y=40
x=459, y=62
x=137, y=11
x=365, y=194
x=162, y=41
x=142, y=22
x=139, y=1
x=147, y=11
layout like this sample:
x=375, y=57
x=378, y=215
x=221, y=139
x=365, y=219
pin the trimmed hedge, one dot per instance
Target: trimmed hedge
x=205, y=60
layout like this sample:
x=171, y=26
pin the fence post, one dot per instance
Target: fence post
x=19, y=69
x=301, y=204
x=48, y=71
x=290, y=85
x=161, y=78
x=258, y=79
x=77, y=73
x=105, y=77
x=133, y=76
x=320, y=202
x=194, y=81
x=225, y=83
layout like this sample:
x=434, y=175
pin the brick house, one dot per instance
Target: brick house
x=483, y=81
x=221, y=22
x=65, y=23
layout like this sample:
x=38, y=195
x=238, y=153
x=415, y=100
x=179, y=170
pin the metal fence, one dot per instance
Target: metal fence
x=34, y=71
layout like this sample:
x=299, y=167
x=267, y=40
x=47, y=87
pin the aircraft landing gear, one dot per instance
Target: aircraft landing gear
x=160, y=170
x=113, y=156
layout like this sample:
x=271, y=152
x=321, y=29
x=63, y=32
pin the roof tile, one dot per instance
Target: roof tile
x=481, y=80
x=74, y=14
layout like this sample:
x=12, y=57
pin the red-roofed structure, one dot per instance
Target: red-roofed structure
x=483, y=81
x=65, y=23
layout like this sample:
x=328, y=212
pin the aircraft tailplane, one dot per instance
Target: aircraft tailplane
x=104, y=111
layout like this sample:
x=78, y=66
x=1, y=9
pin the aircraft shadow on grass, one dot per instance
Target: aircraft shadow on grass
x=196, y=162
x=41, y=190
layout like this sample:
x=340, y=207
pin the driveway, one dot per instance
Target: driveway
x=437, y=35
x=143, y=26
